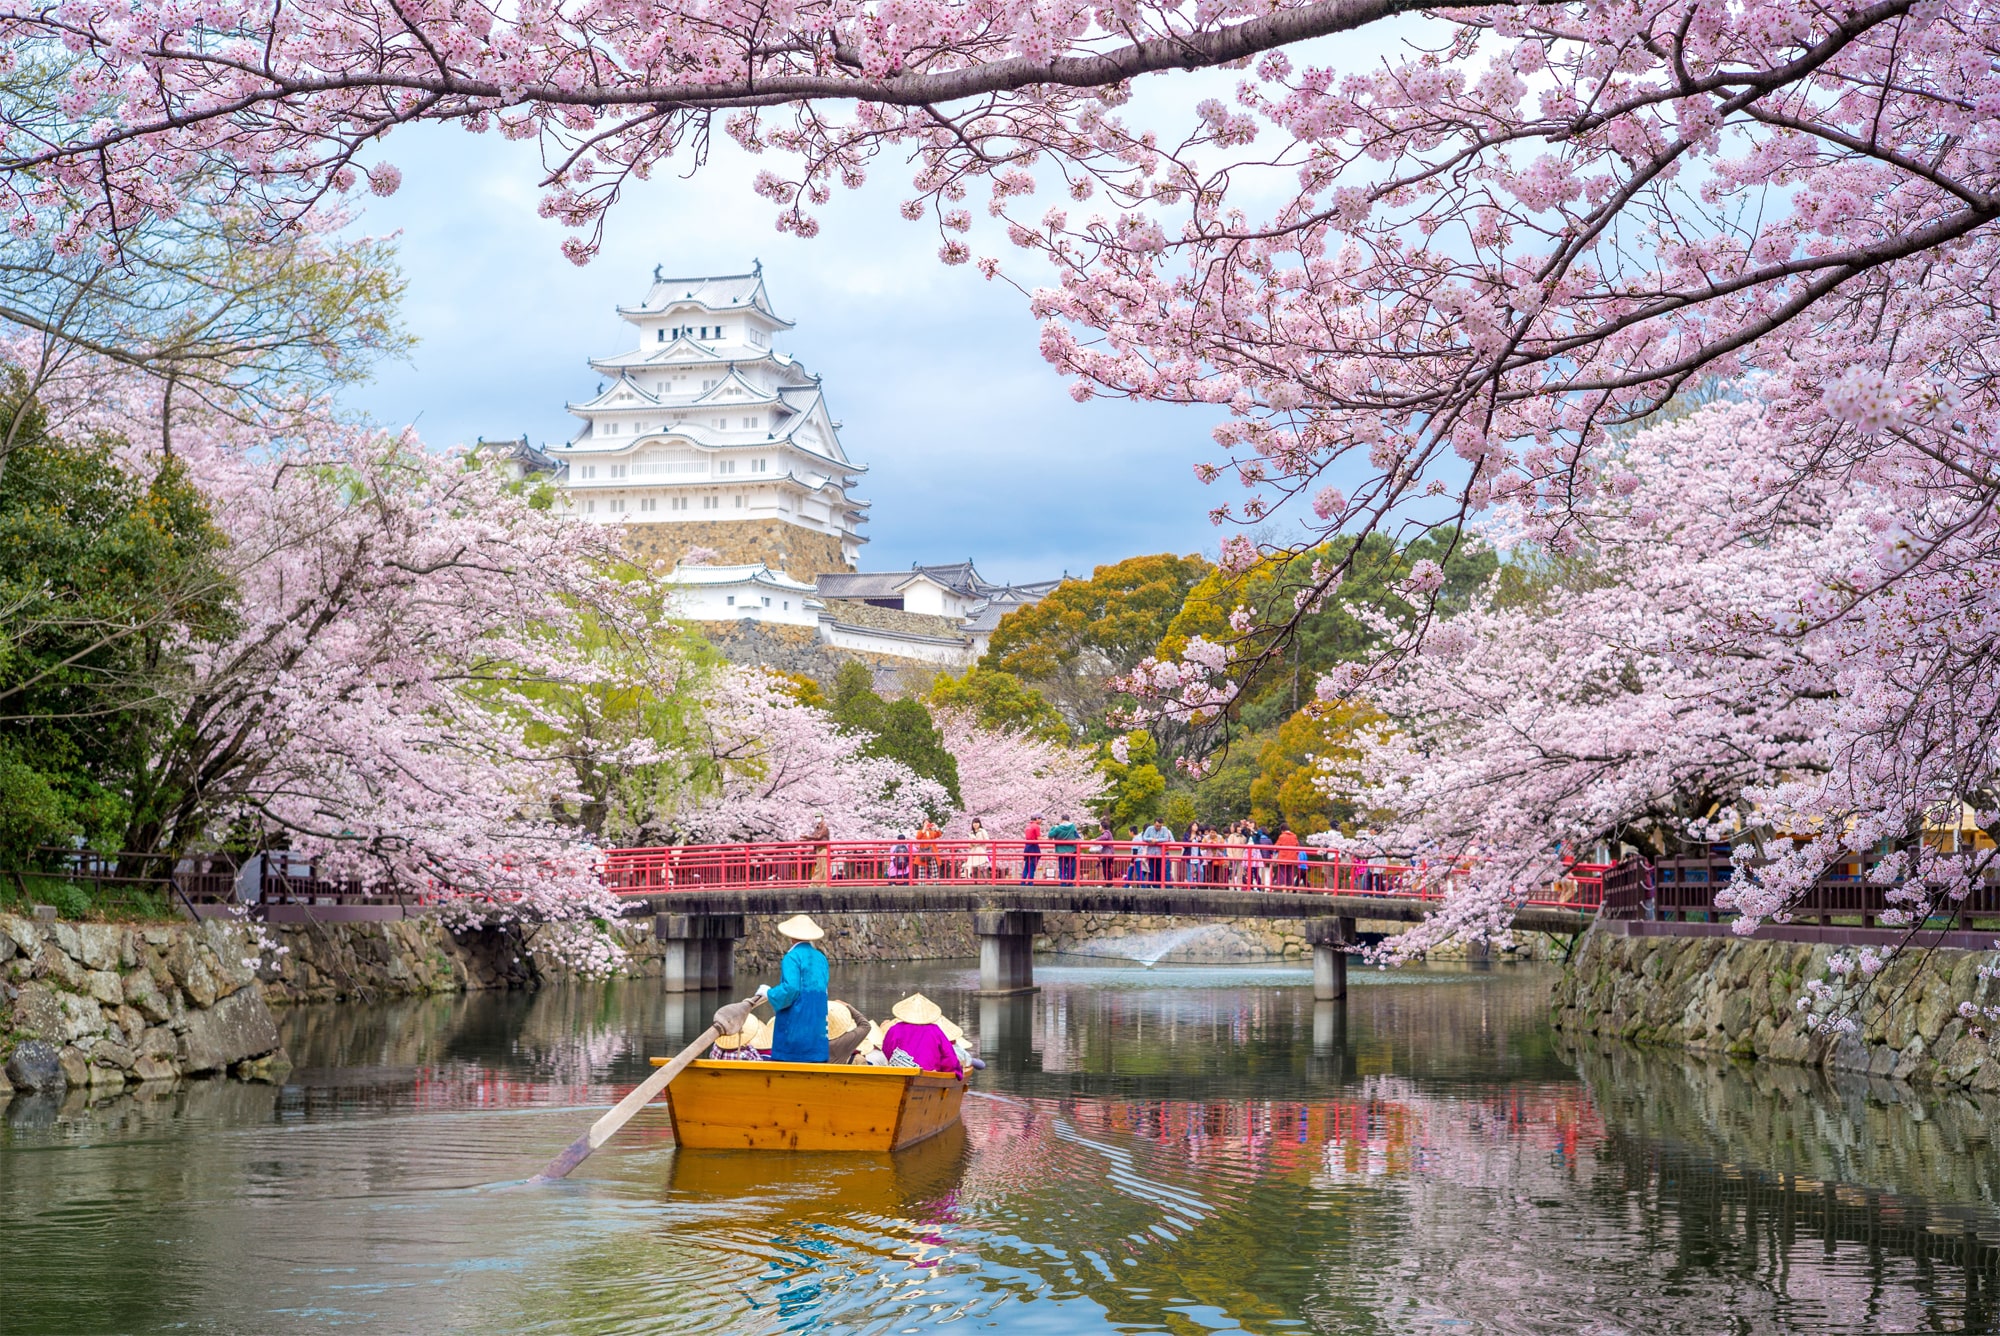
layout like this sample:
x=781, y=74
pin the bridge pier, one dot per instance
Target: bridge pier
x=1006, y=950
x=1330, y=938
x=698, y=950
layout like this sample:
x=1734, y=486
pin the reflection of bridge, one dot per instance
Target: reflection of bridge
x=701, y=894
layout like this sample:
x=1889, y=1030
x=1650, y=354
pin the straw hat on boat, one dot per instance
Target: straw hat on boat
x=754, y=1034
x=917, y=1010
x=839, y=1019
x=951, y=1030
x=801, y=929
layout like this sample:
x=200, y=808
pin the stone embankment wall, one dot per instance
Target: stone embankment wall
x=1739, y=997
x=798, y=649
x=102, y=1004
x=325, y=962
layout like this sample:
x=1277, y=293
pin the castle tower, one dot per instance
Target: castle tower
x=704, y=436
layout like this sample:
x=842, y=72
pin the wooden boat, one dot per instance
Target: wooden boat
x=809, y=1106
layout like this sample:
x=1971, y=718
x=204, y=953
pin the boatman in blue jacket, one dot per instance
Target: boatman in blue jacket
x=800, y=997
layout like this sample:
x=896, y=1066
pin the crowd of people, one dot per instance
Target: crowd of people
x=1245, y=854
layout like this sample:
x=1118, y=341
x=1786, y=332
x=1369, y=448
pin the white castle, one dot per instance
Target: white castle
x=705, y=425
x=704, y=437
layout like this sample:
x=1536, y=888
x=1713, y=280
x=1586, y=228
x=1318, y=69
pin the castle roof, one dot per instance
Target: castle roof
x=720, y=292
x=755, y=572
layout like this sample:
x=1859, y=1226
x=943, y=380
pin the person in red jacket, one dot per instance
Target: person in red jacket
x=1288, y=857
x=1031, y=848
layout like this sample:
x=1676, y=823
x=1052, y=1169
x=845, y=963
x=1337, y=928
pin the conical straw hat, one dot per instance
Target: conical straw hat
x=839, y=1019
x=917, y=1010
x=800, y=928
x=755, y=1034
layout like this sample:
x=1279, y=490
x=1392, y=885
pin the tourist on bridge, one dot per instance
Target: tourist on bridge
x=1288, y=858
x=1156, y=837
x=978, y=852
x=1107, y=853
x=1215, y=857
x=799, y=1031
x=918, y=1040
x=927, y=838
x=1031, y=848
x=1065, y=834
x=819, y=837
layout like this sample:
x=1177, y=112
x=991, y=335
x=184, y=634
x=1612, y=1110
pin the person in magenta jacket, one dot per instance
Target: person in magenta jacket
x=917, y=1040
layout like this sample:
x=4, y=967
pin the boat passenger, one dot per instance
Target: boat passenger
x=746, y=1045
x=917, y=1040
x=800, y=997
x=846, y=1029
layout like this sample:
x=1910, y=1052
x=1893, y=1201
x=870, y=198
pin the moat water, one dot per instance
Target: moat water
x=1171, y=1149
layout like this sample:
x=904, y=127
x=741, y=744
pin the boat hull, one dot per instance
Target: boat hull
x=809, y=1106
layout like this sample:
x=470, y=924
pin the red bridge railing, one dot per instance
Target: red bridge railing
x=779, y=865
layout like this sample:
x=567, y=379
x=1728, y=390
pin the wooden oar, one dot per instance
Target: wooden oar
x=605, y=1128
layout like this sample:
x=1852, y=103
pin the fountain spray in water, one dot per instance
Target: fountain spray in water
x=1148, y=948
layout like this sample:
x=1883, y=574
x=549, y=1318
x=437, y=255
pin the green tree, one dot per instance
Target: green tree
x=106, y=579
x=897, y=730
x=999, y=700
x=1337, y=633
x=1086, y=632
x=1135, y=790
x=653, y=673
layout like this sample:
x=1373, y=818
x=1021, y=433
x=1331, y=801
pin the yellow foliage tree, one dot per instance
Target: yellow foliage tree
x=1308, y=768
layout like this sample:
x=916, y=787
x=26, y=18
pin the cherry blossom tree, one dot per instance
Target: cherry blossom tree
x=778, y=764
x=1707, y=670
x=1006, y=776
x=382, y=698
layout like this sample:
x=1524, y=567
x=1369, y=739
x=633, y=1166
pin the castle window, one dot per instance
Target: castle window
x=760, y=465
x=680, y=503
x=730, y=599
x=617, y=470
x=663, y=335
x=739, y=501
x=648, y=503
x=590, y=507
x=711, y=503
x=725, y=466
x=767, y=600
x=587, y=471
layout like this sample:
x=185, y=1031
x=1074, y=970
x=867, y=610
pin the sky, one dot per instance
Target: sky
x=973, y=445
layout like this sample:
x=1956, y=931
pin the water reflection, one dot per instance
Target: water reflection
x=1165, y=1149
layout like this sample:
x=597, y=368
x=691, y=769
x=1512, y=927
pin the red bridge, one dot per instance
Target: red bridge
x=702, y=892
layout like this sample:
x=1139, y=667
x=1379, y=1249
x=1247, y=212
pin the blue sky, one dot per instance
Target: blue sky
x=974, y=447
